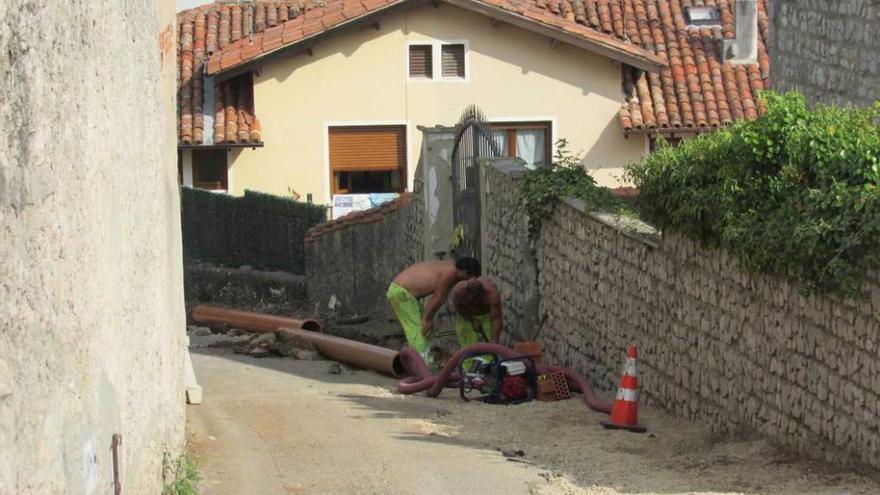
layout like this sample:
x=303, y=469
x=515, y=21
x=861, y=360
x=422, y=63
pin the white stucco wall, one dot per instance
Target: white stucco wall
x=360, y=77
x=91, y=303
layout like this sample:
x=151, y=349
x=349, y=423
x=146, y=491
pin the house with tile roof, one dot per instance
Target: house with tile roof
x=321, y=97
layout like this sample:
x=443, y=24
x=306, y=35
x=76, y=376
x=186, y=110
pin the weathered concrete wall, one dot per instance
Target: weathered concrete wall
x=716, y=345
x=507, y=251
x=350, y=262
x=434, y=180
x=91, y=300
x=827, y=49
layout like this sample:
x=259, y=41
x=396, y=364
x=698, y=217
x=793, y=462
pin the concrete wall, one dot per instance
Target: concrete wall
x=716, y=345
x=827, y=49
x=91, y=301
x=360, y=77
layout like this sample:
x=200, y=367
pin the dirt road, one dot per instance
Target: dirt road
x=278, y=426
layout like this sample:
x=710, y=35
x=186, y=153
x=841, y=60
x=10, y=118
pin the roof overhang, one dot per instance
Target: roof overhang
x=221, y=146
x=579, y=36
x=551, y=27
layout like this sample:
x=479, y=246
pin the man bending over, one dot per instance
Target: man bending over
x=428, y=278
x=478, y=304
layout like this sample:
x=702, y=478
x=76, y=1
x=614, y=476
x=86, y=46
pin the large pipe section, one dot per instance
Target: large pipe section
x=255, y=322
x=351, y=352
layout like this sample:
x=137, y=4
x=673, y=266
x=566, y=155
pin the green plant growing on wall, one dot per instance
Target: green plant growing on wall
x=795, y=193
x=180, y=476
x=565, y=177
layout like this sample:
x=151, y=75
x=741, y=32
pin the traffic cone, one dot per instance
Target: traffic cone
x=625, y=414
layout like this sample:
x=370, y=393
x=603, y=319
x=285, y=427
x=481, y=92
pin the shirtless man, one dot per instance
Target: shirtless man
x=478, y=304
x=434, y=278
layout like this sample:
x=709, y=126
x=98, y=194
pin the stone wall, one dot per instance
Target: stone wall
x=350, y=261
x=827, y=49
x=508, y=254
x=732, y=350
x=91, y=299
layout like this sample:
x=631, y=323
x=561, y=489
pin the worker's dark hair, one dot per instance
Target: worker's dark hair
x=474, y=290
x=469, y=265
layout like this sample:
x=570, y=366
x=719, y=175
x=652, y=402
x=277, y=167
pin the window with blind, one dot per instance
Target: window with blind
x=367, y=159
x=452, y=57
x=420, y=61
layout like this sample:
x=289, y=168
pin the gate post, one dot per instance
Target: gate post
x=435, y=174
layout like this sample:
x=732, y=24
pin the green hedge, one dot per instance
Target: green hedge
x=795, y=193
x=260, y=230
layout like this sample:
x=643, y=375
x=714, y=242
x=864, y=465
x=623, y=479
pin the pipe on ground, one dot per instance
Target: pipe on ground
x=420, y=379
x=351, y=352
x=245, y=320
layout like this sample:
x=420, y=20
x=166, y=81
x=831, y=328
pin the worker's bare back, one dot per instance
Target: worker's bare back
x=423, y=278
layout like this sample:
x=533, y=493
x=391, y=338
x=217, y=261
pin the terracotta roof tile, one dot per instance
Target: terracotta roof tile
x=373, y=215
x=698, y=90
x=600, y=21
x=695, y=91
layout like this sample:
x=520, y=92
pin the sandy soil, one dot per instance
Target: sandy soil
x=281, y=426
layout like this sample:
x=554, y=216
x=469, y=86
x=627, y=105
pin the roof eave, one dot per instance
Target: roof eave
x=604, y=45
x=366, y=19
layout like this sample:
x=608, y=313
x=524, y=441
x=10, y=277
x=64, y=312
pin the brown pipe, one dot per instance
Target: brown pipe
x=255, y=322
x=358, y=354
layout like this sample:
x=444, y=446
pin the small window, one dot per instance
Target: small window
x=209, y=169
x=702, y=16
x=529, y=141
x=420, y=63
x=453, y=60
x=367, y=159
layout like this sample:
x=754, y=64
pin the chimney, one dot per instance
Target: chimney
x=744, y=48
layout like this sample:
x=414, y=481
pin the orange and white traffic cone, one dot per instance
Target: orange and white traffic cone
x=625, y=414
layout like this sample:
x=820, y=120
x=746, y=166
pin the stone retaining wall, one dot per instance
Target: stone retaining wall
x=716, y=345
x=351, y=261
x=827, y=49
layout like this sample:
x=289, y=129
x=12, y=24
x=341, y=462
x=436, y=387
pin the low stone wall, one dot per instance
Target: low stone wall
x=351, y=261
x=729, y=349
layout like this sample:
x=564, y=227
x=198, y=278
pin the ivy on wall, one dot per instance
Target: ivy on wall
x=795, y=193
x=565, y=177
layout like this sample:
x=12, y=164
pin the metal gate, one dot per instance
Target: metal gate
x=473, y=140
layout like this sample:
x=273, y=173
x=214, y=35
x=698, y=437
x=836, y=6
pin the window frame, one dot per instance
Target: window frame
x=330, y=187
x=409, y=75
x=224, y=184
x=437, y=60
x=511, y=126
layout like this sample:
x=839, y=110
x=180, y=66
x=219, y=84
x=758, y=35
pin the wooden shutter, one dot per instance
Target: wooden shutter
x=420, y=61
x=453, y=60
x=361, y=148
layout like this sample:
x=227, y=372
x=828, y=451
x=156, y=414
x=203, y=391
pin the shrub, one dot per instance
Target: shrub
x=565, y=177
x=793, y=193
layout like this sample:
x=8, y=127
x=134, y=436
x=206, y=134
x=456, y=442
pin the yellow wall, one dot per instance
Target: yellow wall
x=360, y=77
